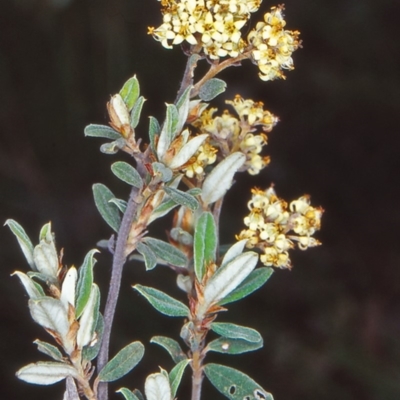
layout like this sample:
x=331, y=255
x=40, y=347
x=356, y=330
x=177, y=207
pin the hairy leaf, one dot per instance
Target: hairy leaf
x=175, y=376
x=34, y=290
x=129, y=395
x=46, y=373
x=233, y=346
x=130, y=92
x=182, y=198
x=211, y=89
x=127, y=173
x=85, y=281
x=49, y=349
x=23, y=240
x=157, y=387
x=102, y=131
x=205, y=243
x=109, y=212
x=136, y=111
x=172, y=346
x=150, y=259
x=234, y=331
x=235, y=385
x=166, y=252
x=220, y=178
x=122, y=363
x=162, y=302
x=254, y=281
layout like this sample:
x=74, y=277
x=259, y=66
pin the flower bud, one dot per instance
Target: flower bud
x=119, y=116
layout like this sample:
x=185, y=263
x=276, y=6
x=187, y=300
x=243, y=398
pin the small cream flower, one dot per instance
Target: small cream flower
x=270, y=222
x=273, y=45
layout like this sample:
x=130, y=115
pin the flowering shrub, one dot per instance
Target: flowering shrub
x=186, y=167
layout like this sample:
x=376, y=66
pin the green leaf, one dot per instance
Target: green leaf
x=46, y=373
x=205, y=243
x=162, y=302
x=136, y=111
x=154, y=130
x=121, y=204
x=150, y=259
x=130, y=92
x=168, y=131
x=138, y=394
x=164, y=172
x=51, y=314
x=233, y=346
x=172, y=346
x=102, y=131
x=113, y=147
x=91, y=351
x=226, y=279
x=182, y=198
x=23, y=240
x=254, y=281
x=166, y=252
x=127, y=173
x=85, y=281
x=109, y=212
x=220, y=179
x=122, y=363
x=211, y=89
x=88, y=319
x=33, y=289
x=49, y=349
x=235, y=385
x=175, y=376
x=127, y=394
x=234, y=331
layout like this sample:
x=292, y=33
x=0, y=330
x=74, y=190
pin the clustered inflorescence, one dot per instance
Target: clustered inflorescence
x=230, y=133
x=273, y=226
x=214, y=26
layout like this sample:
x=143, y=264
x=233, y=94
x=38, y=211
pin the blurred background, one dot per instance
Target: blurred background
x=332, y=324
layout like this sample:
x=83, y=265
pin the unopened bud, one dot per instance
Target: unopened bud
x=119, y=116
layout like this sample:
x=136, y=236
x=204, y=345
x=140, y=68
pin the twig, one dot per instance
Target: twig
x=115, y=284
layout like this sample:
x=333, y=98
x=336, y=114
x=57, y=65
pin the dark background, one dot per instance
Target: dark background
x=332, y=325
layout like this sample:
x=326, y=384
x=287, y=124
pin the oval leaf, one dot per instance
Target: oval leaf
x=130, y=92
x=154, y=130
x=254, y=281
x=85, y=281
x=91, y=351
x=23, y=240
x=51, y=314
x=34, y=290
x=234, y=331
x=102, y=131
x=46, y=373
x=157, y=387
x=220, y=178
x=109, y=212
x=150, y=259
x=211, y=89
x=182, y=198
x=168, y=131
x=122, y=363
x=205, y=243
x=136, y=111
x=228, y=278
x=166, y=252
x=233, y=346
x=235, y=385
x=187, y=151
x=88, y=320
x=129, y=395
x=172, y=346
x=127, y=173
x=49, y=349
x=175, y=376
x=162, y=302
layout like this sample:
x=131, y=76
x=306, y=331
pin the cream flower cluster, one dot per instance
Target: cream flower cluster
x=232, y=134
x=270, y=222
x=212, y=24
x=206, y=155
x=273, y=45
